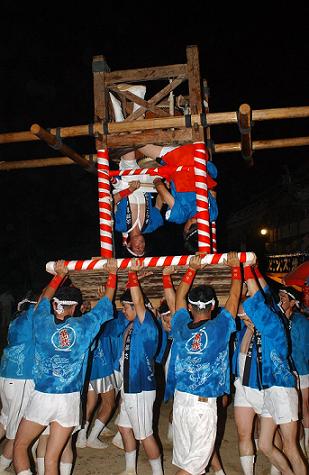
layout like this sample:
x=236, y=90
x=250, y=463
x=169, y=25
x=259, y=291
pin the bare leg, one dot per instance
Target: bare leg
x=152, y=151
x=91, y=403
x=8, y=449
x=244, y=417
x=290, y=447
x=267, y=447
x=27, y=432
x=128, y=438
x=151, y=447
x=57, y=440
x=2, y=432
x=107, y=406
x=215, y=462
x=41, y=448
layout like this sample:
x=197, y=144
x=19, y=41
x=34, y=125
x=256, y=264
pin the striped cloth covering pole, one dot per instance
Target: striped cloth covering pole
x=163, y=261
x=202, y=204
x=105, y=206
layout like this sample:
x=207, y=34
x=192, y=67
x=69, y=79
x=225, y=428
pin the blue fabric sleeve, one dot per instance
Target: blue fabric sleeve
x=264, y=319
x=180, y=318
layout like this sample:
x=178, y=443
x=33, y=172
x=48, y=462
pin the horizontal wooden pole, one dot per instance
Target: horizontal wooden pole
x=145, y=74
x=218, y=148
x=213, y=118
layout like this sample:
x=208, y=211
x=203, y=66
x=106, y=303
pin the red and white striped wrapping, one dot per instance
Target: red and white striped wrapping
x=105, y=208
x=164, y=171
x=97, y=264
x=202, y=204
x=214, y=236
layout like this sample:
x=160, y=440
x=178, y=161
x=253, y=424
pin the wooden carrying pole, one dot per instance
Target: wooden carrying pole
x=213, y=118
x=57, y=144
x=217, y=148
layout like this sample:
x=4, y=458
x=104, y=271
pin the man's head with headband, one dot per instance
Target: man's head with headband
x=289, y=298
x=128, y=305
x=67, y=302
x=202, y=299
x=136, y=245
x=165, y=315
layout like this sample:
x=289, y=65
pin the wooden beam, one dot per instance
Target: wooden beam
x=214, y=118
x=56, y=143
x=244, y=124
x=218, y=148
x=99, y=68
x=146, y=74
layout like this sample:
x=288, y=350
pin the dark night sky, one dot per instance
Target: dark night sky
x=259, y=57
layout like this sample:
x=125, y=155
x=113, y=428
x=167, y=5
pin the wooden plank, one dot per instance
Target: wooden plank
x=98, y=88
x=174, y=137
x=146, y=74
x=88, y=281
x=195, y=93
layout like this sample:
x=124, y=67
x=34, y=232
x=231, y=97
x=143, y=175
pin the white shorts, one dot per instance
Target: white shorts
x=281, y=404
x=194, y=432
x=248, y=397
x=103, y=385
x=44, y=408
x=136, y=413
x=303, y=381
x=15, y=395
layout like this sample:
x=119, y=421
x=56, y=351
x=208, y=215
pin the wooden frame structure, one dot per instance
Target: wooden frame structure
x=155, y=122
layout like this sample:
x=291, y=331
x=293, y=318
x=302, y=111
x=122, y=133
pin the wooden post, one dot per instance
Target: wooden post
x=244, y=124
x=195, y=94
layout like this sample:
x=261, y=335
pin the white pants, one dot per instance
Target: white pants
x=136, y=413
x=15, y=395
x=194, y=432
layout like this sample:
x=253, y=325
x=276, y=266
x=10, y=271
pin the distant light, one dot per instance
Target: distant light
x=264, y=231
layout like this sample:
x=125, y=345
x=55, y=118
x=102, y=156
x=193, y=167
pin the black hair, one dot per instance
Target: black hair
x=126, y=297
x=191, y=239
x=163, y=307
x=71, y=293
x=202, y=293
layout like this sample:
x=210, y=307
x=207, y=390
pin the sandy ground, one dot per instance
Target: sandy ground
x=110, y=461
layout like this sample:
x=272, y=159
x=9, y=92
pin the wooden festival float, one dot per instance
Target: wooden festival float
x=163, y=119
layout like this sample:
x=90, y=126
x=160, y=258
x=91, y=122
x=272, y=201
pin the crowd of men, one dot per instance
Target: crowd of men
x=59, y=348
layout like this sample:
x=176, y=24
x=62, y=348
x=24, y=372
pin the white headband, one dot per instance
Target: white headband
x=60, y=303
x=19, y=305
x=165, y=313
x=290, y=295
x=133, y=253
x=202, y=305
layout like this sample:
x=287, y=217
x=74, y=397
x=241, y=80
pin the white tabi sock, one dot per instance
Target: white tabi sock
x=40, y=465
x=221, y=472
x=4, y=462
x=97, y=427
x=25, y=472
x=156, y=466
x=274, y=470
x=65, y=468
x=130, y=461
x=247, y=462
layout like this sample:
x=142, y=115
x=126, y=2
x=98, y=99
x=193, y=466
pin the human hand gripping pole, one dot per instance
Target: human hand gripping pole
x=110, y=286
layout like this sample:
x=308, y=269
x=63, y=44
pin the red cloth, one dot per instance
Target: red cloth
x=184, y=180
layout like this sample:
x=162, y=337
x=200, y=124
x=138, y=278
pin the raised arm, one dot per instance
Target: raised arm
x=163, y=192
x=185, y=284
x=233, y=300
x=169, y=291
x=61, y=272
x=134, y=185
x=110, y=286
x=136, y=292
x=250, y=278
x=259, y=276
